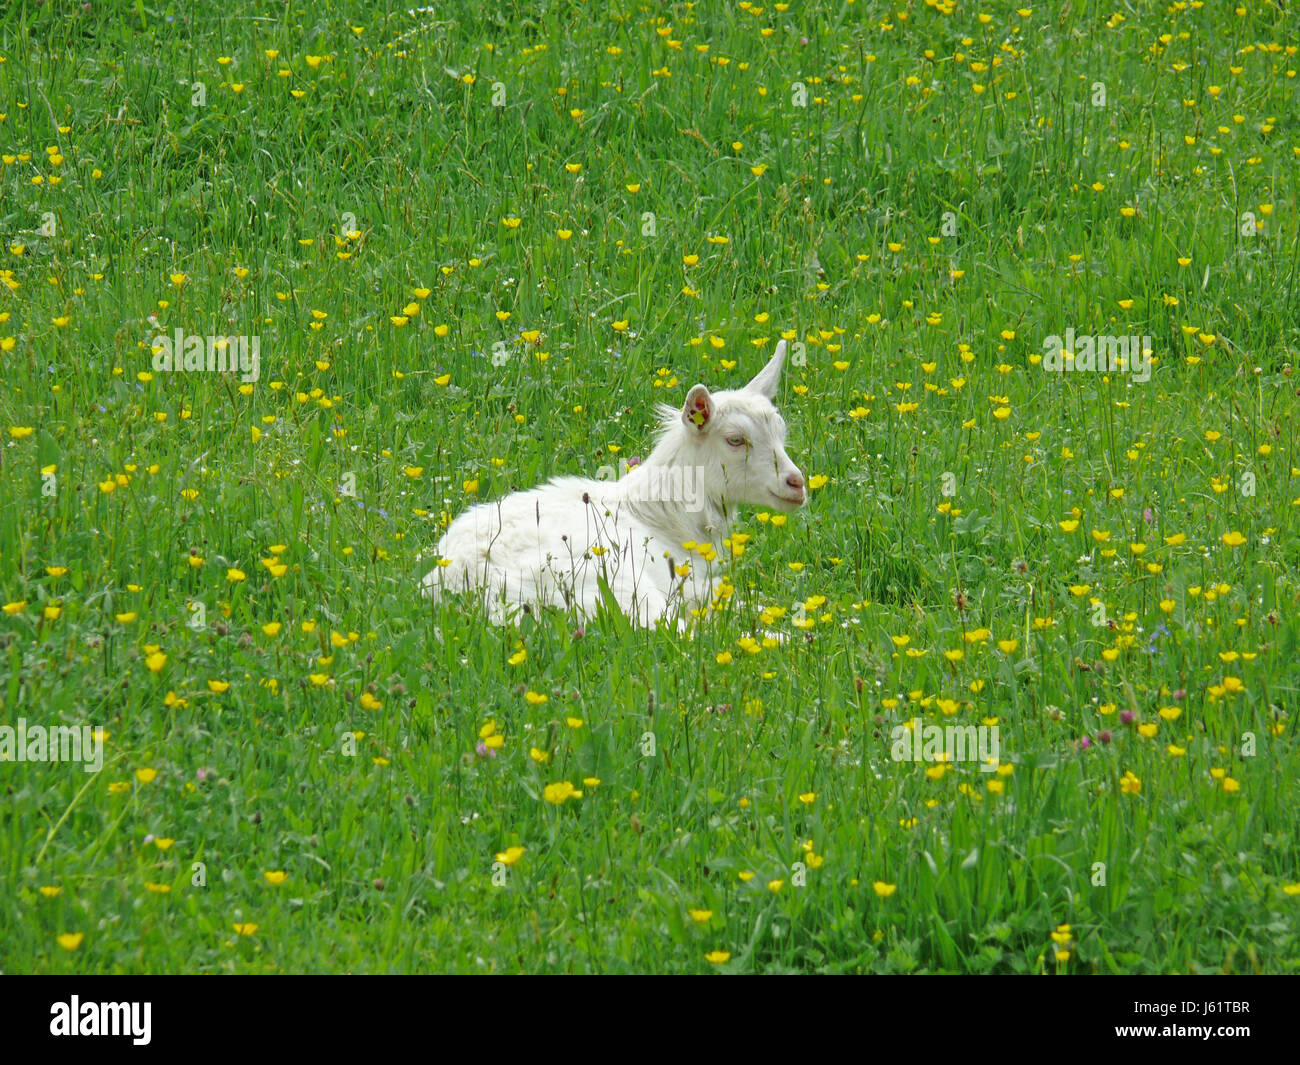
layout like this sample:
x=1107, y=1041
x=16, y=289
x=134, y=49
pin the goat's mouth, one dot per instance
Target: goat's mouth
x=788, y=501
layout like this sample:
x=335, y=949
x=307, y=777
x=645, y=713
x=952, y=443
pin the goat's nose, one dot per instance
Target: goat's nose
x=795, y=481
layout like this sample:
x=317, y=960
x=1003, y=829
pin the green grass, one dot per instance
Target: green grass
x=948, y=197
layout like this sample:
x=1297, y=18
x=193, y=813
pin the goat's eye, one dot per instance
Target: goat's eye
x=737, y=441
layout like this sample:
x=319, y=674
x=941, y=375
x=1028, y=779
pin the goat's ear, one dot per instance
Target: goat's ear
x=697, y=412
x=766, y=380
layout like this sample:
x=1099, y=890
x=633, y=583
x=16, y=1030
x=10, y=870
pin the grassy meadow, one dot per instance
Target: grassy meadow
x=475, y=247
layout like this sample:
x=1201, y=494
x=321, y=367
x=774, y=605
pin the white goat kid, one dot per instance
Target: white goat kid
x=556, y=544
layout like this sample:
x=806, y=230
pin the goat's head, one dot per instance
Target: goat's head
x=738, y=437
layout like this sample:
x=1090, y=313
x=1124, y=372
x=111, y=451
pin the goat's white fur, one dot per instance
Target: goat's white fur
x=537, y=546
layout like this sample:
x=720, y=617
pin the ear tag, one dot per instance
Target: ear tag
x=697, y=417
